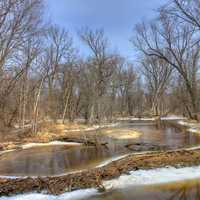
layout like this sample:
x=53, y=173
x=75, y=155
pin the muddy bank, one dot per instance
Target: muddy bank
x=86, y=138
x=63, y=140
x=50, y=132
x=88, y=135
x=94, y=177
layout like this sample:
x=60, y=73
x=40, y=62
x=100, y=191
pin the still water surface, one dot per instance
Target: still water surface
x=56, y=160
x=183, y=190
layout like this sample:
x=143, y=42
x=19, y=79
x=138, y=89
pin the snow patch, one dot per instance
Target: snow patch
x=138, y=178
x=54, y=143
x=183, y=123
x=14, y=177
x=188, y=124
x=173, y=117
x=144, y=119
x=136, y=119
x=7, y=151
x=106, y=162
x=194, y=130
x=170, y=117
x=154, y=176
x=191, y=127
x=194, y=148
x=93, y=128
x=76, y=195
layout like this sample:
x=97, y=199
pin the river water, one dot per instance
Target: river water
x=56, y=160
x=182, y=190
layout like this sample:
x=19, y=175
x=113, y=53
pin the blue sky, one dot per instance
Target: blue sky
x=117, y=17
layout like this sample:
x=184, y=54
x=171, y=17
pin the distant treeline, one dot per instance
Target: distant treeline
x=42, y=75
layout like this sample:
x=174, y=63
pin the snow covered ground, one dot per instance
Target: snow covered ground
x=136, y=119
x=93, y=128
x=169, y=117
x=53, y=143
x=76, y=195
x=173, y=117
x=154, y=176
x=191, y=127
x=138, y=178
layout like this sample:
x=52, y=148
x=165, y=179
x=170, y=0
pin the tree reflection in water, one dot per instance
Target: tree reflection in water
x=187, y=190
x=186, y=193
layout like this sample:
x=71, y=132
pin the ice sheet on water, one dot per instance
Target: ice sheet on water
x=76, y=195
x=55, y=143
x=154, y=176
x=140, y=177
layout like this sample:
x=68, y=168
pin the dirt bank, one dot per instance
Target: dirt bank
x=94, y=177
x=49, y=132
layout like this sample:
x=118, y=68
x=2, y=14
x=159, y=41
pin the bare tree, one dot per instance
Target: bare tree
x=187, y=11
x=173, y=42
x=58, y=52
x=126, y=87
x=157, y=73
x=20, y=24
x=101, y=67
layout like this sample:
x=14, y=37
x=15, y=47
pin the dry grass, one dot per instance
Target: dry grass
x=118, y=133
x=59, y=128
x=50, y=130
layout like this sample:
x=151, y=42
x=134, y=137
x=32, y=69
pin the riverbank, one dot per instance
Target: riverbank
x=94, y=178
x=160, y=183
x=49, y=133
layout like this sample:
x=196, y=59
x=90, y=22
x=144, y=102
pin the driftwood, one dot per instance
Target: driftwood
x=145, y=147
x=85, y=141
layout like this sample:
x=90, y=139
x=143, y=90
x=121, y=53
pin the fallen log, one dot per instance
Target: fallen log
x=88, y=142
x=146, y=147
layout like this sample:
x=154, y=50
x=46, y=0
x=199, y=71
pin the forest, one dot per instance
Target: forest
x=80, y=120
x=43, y=77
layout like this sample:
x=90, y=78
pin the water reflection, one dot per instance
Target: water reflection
x=186, y=190
x=51, y=160
x=55, y=160
x=164, y=134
